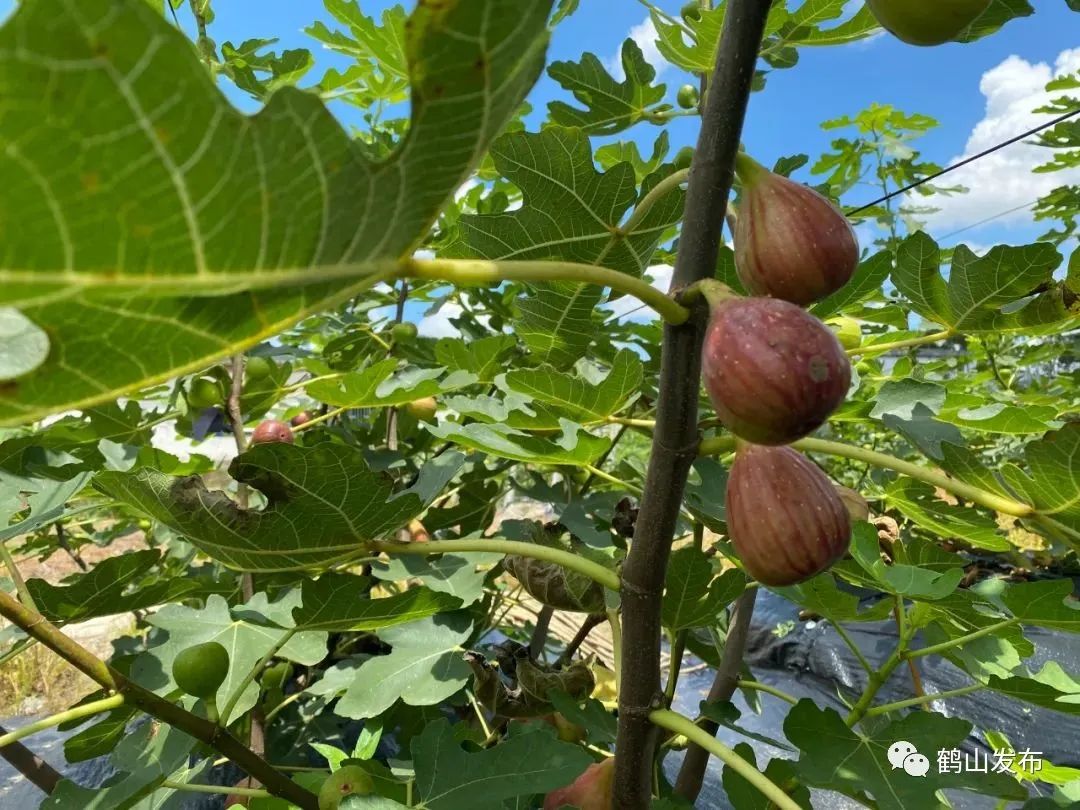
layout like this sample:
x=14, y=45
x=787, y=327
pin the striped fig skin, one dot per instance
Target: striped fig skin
x=774, y=372
x=790, y=242
x=785, y=518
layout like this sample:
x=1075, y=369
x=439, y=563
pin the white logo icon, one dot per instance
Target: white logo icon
x=916, y=765
x=899, y=751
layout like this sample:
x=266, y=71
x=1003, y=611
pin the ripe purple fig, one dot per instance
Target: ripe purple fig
x=790, y=242
x=927, y=22
x=270, y=431
x=590, y=791
x=785, y=518
x=774, y=372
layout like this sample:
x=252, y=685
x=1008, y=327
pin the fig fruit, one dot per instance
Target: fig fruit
x=790, y=242
x=403, y=332
x=691, y=10
x=349, y=780
x=200, y=670
x=785, y=517
x=301, y=418
x=205, y=392
x=774, y=372
x=590, y=791
x=684, y=157
x=856, y=504
x=271, y=430
x=927, y=22
x=422, y=409
x=847, y=331
x=688, y=97
x=257, y=369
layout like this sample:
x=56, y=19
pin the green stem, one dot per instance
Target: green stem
x=596, y=472
x=594, y=571
x=473, y=271
x=255, y=671
x=769, y=690
x=877, y=680
x=686, y=727
x=319, y=419
x=74, y=713
x=16, y=577
x=880, y=348
x=616, y=644
x=724, y=444
x=885, y=708
x=656, y=193
x=255, y=793
x=678, y=646
x=934, y=649
x=274, y=712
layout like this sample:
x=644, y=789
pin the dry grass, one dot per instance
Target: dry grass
x=38, y=681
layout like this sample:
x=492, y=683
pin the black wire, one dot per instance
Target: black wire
x=966, y=161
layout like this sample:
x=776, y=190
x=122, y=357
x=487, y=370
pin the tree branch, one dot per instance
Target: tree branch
x=676, y=437
x=692, y=772
x=201, y=729
x=30, y=765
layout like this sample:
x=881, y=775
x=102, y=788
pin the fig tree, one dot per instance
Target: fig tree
x=688, y=97
x=348, y=780
x=774, y=372
x=590, y=791
x=271, y=430
x=200, y=670
x=927, y=22
x=422, y=409
x=403, y=332
x=301, y=418
x=205, y=392
x=790, y=242
x=785, y=517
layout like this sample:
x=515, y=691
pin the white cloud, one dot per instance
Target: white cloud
x=1004, y=180
x=436, y=324
x=644, y=34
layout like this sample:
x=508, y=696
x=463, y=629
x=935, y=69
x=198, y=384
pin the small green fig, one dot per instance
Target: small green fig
x=590, y=791
x=422, y=409
x=257, y=369
x=790, y=242
x=403, y=332
x=691, y=10
x=205, y=392
x=927, y=22
x=785, y=517
x=774, y=372
x=688, y=97
x=683, y=158
x=847, y=331
x=270, y=431
x=349, y=780
x=200, y=670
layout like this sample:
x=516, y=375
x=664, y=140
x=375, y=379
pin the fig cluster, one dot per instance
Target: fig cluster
x=775, y=374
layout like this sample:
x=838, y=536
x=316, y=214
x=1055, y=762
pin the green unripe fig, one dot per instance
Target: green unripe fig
x=205, y=392
x=688, y=97
x=257, y=369
x=422, y=409
x=927, y=22
x=691, y=11
x=403, y=332
x=684, y=157
x=200, y=670
x=847, y=331
x=347, y=781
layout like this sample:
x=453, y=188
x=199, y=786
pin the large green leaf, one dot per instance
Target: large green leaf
x=574, y=446
x=459, y=575
x=133, y=185
x=1051, y=482
x=341, y=602
x=530, y=761
x=324, y=504
x=610, y=106
x=1008, y=289
x=380, y=385
x=693, y=596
